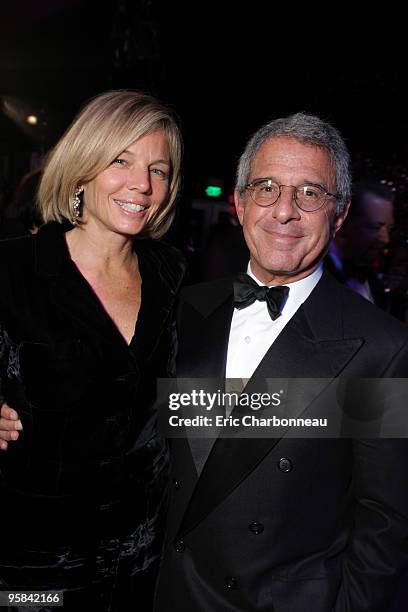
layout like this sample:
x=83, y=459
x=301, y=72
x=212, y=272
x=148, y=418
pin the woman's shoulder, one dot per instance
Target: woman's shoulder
x=40, y=253
x=16, y=252
x=17, y=263
x=165, y=259
x=165, y=251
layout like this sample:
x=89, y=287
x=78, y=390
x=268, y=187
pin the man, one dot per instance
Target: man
x=361, y=241
x=286, y=524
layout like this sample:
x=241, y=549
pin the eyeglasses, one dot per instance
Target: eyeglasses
x=265, y=192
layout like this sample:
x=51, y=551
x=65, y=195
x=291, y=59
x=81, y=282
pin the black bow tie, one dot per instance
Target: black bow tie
x=246, y=291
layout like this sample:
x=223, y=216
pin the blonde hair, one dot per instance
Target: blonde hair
x=104, y=128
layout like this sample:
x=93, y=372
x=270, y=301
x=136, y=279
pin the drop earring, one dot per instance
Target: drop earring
x=76, y=204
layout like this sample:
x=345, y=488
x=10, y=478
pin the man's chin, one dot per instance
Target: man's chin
x=272, y=272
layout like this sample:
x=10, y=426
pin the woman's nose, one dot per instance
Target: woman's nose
x=139, y=179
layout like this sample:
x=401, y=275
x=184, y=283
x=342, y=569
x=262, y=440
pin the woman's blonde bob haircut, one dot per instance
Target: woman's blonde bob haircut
x=104, y=128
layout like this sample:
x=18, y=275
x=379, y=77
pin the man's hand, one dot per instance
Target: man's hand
x=10, y=425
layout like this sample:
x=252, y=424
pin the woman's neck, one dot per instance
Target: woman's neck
x=107, y=253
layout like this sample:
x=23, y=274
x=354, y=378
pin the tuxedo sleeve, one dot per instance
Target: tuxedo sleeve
x=377, y=552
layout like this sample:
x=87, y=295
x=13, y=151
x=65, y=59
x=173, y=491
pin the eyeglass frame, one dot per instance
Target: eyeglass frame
x=325, y=194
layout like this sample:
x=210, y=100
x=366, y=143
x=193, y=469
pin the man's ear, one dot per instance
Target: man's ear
x=239, y=206
x=339, y=220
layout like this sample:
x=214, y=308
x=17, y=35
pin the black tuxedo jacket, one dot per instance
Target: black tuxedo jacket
x=289, y=524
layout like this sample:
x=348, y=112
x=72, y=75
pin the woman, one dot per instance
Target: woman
x=86, y=328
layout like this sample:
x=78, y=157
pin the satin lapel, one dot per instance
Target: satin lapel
x=310, y=346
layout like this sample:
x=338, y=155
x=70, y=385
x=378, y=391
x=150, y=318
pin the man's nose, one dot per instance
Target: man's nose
x=285, y=208
x=384, y=234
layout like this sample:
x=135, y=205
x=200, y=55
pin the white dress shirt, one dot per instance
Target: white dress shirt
x=253, y=331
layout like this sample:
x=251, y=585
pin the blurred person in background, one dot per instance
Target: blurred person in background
x=22, y=216
x=357, y=250
x=396, y=264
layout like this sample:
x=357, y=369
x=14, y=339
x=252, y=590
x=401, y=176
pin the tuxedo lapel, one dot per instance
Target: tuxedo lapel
x=310, y=346
x=204, y=320
x=204, y=326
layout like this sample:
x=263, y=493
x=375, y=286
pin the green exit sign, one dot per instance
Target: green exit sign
x=213, y=191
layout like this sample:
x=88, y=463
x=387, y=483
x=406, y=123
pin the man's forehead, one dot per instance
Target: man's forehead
x=287, y=145
x=284, y=152
x=374, y=206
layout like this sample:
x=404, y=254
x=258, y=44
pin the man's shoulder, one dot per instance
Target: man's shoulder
x=164, y=259
x=362, y=317
x=207, y=293
x=212, y=286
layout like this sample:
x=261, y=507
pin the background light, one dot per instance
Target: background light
x=213, y=191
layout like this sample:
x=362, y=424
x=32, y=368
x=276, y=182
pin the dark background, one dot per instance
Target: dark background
x=224, y=68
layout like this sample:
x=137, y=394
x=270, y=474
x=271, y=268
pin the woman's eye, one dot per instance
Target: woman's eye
x=159, y=172
x=119, y=161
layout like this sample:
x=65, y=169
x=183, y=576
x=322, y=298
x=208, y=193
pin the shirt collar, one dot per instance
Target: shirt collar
x=299, y=290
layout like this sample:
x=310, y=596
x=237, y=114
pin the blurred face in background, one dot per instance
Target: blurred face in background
x=367, y=233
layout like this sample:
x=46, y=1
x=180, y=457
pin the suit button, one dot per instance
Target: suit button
x=285, y=465
x=177, y=484
x=231, y=582
x=179, y=546
x=256, y=527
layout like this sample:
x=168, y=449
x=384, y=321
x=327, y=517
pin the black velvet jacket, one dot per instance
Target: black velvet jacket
x=89, y=469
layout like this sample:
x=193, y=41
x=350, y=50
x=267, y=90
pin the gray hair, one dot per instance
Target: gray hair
x=310, y=130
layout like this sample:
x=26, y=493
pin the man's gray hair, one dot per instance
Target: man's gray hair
x=310, y=130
